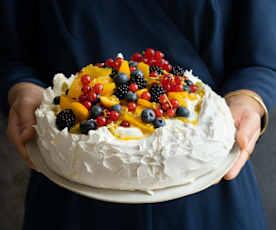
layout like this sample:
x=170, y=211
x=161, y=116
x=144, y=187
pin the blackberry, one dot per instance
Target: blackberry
x=137, y=77
x=122, y=91
x=156, y=69
x=178, y=70
x=156, y=91
x=65, y=118
x=113, y=73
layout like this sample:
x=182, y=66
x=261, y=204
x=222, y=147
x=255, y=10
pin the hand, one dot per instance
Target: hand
x=247, y=114
x=24, y=98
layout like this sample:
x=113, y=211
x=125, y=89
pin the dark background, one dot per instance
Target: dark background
x=14, y=177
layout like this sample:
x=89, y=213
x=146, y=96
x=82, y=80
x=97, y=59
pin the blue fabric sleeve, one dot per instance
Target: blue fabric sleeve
x=253, y=55
x=16, y=40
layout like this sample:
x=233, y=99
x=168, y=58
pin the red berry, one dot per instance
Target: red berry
x=167, y=67
x=152, y=62
x=131, y=68
x=119, y=60
x=86, y=79
x=131, y=106
x=137, y=57
x=158, y=55
x=133, y=87
x=193, y=88
x=163, y=99
x=185, y=78
x=82, y=98
x=116, y=65
x=170, y=113
x=149, y=53
x=125, y=124
x=158, y=113
x=86, y=89
x=106, y=113
x=101, y=121
x=92, y=96
x=114, y=115
x=167, y=87
x=166, y=106
x=109, y=62
x=99, y=64
x=108, y=121
x=98, y=88
x=154, y=74
x=175, y=103
x=160, y=63
x=178, y=80
x=178, y=88
x=87, y=104
x=146, y=96
x=145, y=60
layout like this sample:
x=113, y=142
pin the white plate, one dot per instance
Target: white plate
x=134, y=197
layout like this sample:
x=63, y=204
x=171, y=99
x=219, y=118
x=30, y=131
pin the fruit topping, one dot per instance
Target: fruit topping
x=117, y=108
x=65, y=118
x=178, y=70
x=131, y=106
x=80, y=111
x=156, y=69
x=146, y=96
x=133, y=87
x=113, y=73
x=98, y=88
x=88, y=125
x=144, y=68
x=156, y=91
x=182, y=112
x=137, y=77
x=85, y=79
x=170, y=112
x=122, y=91
x=96, y=111
x=108, y=89
x=65, y=102
x=125, y=124
x=101, y=121
x=121, y=78
x=146, y=128
x=137, y=57
x=148, y=116
x=158, y=113
x=145, y=103
x=158, y=123
x=124, y=68
x=56, y=100
x=109, y=101
x=114, y=115
x=131, y=96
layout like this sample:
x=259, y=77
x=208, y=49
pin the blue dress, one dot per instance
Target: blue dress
x=230, y=45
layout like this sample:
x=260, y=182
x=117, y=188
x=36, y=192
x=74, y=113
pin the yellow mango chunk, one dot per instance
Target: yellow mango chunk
x=95, y=71
x=80, y=111
x=139, y=110
x=137, y=122
x=192, y=96
x=65, y=102
x=102, y=80
x=75, y=129
x=124, y=68
x=145, y=69
x=108, y=89
x=75, y=89
x=180, y=96
x=140, y=91
x=109, y=101
x=145, y=103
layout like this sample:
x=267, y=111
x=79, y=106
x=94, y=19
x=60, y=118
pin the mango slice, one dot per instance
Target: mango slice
x=140, y=91
x=124, y=68
x=108, y=89
x=80, y=111
x=145, y=103
x=145, y=69
x=180, y=96
x=109, y=101
x=65, y=102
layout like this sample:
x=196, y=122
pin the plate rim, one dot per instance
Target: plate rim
x=113, y=195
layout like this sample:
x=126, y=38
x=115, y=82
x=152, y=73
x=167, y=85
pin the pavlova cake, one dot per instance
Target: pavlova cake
x=133, y=125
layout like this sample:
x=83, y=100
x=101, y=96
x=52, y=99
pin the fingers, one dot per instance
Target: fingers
x=13, y=133
x=243, y=157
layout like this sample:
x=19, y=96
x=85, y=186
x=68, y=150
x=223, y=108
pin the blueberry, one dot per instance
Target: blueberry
x=88, y=125
x=121, y=78
x=56, y=100
x=131, y=96
x=137, y=74
x=186, y=88
x=158, y=122
x=135, y=64
x=117, y=108
x=189, y=82
x=182, y=112
x=96, y=111
x=148, y=115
